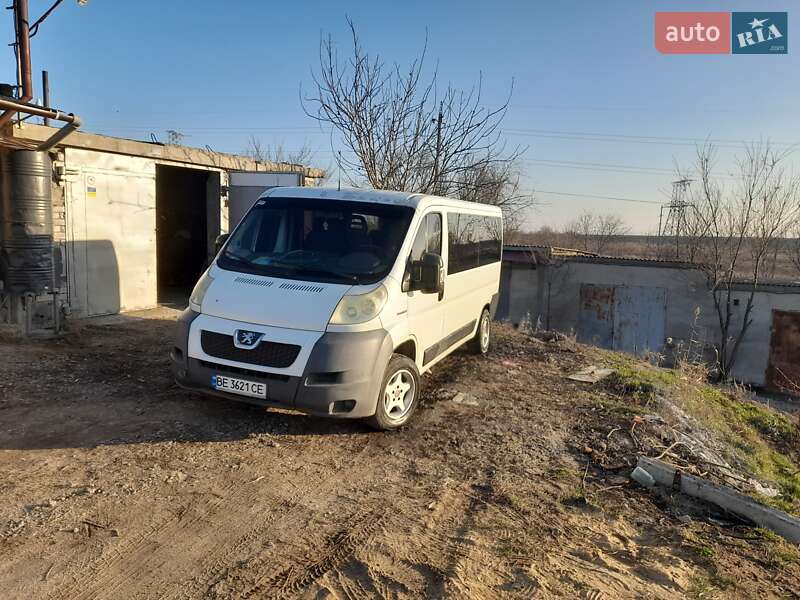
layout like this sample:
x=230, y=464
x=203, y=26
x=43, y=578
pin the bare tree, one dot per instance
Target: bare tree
x=402, y=134
x=609, y=227
x=736, y=230
x=595, y=233
x=259, y=152
x=497, y=184
x=545, y=236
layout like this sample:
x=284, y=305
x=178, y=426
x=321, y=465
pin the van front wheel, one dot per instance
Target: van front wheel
x=398, y=395
x=483, y=336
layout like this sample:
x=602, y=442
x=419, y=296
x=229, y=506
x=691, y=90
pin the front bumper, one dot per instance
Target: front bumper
x=341, y=378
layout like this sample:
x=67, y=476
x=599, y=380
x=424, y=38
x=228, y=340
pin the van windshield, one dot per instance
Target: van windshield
x=317, y=240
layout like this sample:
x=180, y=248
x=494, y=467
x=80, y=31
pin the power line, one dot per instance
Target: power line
x=598, y=168
x=198, y=129
x=606, y=168
x=525, y=132
x=34, y=29
x=601, y=165
x=639, y=139
x=580, y=135
x=576, y=195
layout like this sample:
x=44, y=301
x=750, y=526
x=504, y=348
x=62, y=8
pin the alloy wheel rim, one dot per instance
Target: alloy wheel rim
x=398, y=394
x=484, y=334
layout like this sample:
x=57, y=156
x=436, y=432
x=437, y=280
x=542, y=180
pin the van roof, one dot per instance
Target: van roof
x=414, y=200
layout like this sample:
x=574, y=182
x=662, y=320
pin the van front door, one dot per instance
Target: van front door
x=425, y=311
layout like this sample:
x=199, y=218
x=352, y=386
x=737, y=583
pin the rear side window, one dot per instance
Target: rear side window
x=472, y=241
x=429, y=237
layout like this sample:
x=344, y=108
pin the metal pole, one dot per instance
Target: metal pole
x=438, y=149
x=46, y=93
x=72, y=121
x=24, y=51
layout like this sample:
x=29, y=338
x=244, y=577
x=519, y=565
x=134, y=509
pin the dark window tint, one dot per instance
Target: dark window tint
x=472, y=241
x=429, y=237
x=318, y=240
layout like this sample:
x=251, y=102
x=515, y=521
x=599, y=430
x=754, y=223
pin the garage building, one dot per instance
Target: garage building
x=131, y=224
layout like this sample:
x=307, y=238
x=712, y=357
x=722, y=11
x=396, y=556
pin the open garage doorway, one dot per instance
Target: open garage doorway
x=187, y=221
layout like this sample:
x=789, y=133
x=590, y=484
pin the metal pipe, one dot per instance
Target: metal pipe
x=72, y=121
x=60, y=134
x=24, y=49
x=46, y=93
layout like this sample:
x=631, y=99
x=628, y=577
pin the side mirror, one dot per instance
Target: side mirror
x=431, y=274
x=220, y=242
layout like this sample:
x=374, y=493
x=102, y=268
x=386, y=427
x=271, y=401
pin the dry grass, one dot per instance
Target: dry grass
x=759, y=439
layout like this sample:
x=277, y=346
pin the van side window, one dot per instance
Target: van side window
x=429, y=237
x=472, y=241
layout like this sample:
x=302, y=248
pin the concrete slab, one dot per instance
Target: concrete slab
x=725, y=497
x=590, y=374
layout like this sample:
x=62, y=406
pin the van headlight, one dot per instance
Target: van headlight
x=199, y=291
x=360, y=308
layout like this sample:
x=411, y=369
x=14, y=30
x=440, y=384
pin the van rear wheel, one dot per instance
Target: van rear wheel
x=399, y=394
x=481, y=343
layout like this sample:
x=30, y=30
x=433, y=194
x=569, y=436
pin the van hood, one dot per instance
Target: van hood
x=271, y=301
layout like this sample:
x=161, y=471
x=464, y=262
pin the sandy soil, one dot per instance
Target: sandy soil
x=116, y=484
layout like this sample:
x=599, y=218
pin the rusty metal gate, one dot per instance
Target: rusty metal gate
x=783, y=368
x=595, y=316
x=625, y=318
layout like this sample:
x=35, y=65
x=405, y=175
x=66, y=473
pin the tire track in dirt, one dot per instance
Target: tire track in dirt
x=337, y=550
x=220, y=565
x=238, y=569
x=99, y=577
x=150, y=557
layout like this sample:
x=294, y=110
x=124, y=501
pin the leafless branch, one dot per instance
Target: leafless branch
x=402, y=133
x=734, y=232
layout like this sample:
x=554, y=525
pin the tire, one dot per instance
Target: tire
x=482, y=341
x=398, y=395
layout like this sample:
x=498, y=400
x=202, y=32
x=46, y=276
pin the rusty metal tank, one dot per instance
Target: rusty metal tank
x=26, y=222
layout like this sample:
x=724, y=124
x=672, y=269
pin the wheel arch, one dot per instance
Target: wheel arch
x=407, y=348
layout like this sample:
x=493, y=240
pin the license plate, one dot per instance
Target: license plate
x=239, y=386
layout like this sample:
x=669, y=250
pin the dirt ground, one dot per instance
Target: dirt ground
x=117, y=484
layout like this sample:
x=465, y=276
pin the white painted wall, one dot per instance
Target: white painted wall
x=111, y=243
x=245, y=188
x=110, y=219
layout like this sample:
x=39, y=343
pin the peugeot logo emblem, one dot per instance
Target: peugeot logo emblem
x=247, y=339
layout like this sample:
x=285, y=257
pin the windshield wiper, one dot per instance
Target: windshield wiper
x=296, y=269
x=229, y=256
x=279, y=269
x=324, y=273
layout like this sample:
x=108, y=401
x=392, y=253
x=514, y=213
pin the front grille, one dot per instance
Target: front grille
x=266, y=354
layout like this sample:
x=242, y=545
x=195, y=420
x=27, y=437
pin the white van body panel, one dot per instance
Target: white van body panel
x=304, y=339
x=247, y=298
x=340, y=363
x=467, y=293
x=425, y=317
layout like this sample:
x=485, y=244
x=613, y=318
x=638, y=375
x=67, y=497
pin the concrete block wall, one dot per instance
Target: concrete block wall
x=691, y=318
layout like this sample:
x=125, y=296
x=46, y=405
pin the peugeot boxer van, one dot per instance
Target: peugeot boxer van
x=335, y=302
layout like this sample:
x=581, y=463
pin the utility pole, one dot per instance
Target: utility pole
x=439, y=120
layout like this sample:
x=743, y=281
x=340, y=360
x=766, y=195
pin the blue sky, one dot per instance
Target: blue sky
x=221, y=71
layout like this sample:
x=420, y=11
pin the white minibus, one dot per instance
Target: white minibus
x=334, y=302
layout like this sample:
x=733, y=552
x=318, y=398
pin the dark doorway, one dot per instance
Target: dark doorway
x=181, y=231
x=783, y=369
